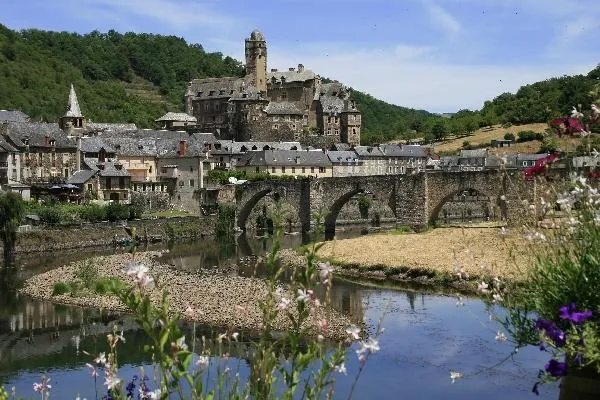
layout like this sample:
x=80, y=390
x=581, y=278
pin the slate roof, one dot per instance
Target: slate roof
x=516, y=160
x=394, y=150
x=99, y=127
x=473, y=153
x=172, y=116
x=231, y=147
x=13, y=116
x=39, y=134
x=109, y=167
x=343, y=157
x=284, y=108
x=93, y=144
x=334, y=98
x=286, y=158
x=227, y=88
x=368, y=151
x=82, y=176
x=291, y=76
x=7, y=147
x=341, y=147
x=132, y=147
x=73, y=105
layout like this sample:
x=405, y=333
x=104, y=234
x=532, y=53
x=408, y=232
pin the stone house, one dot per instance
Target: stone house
x=138, y=156
x=176, y=121
x=107, y=180
x=278, y=105
x=47, y=154
x=522, y=160
x=287, y=162
x=345, y=163
x=585, y=161
x=402, y=159
x=374, y=161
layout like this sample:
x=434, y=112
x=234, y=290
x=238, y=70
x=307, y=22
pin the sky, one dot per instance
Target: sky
x=438, y=55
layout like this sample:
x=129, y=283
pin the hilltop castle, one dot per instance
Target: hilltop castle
x=276, y=105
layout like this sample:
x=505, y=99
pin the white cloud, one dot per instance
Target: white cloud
x=443, y=19
x=178, y=14
x=420, y=82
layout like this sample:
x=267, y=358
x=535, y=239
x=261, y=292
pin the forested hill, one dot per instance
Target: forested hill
x=131, y=77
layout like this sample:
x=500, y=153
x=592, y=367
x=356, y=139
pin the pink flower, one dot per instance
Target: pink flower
x=92, y=369
x=42, y=387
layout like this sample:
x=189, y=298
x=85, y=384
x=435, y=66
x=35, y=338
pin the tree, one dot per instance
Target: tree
x=12, y=209
x=439, y=130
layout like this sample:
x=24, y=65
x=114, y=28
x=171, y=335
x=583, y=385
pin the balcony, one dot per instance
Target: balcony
x=3, y=164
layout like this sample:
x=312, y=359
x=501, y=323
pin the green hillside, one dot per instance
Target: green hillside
x=131, y=77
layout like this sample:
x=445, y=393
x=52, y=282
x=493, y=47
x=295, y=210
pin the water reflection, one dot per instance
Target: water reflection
x=426, y=336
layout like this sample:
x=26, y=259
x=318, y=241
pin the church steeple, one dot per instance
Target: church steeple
x=73, y=118
x=256, y=61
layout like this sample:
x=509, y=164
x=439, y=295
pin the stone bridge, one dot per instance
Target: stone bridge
x=412, y=200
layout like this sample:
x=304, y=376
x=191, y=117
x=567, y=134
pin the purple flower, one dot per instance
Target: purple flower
x=553, y=332
x=556, y=368
x=570, y=313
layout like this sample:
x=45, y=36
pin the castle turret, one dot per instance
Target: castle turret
x=73, y=118
x=256, y=61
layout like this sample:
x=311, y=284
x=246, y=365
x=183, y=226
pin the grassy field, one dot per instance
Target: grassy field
x=477, y=252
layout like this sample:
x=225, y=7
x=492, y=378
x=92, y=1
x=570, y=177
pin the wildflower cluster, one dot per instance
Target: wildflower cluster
x=557, y=306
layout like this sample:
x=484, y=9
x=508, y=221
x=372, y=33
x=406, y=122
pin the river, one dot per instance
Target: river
x=427, y=335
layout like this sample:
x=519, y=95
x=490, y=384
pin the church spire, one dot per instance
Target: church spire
x=73, y=110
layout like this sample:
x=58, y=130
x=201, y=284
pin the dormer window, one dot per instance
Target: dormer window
x=140, y=147
x=200, y=93
x=243, y=149
x=52, y=142
x=254, y=148
x=212, y=92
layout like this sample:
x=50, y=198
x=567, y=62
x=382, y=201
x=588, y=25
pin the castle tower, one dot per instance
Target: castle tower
x=73, y=119
x=256, y=61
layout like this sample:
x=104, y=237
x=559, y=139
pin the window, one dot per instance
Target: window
x=283, y=95
x=191, y=169
x=273, y=169
x=181, y=183
x=121, y=183
x=276, y=118
x=275, y=126
x=293, y=170
x=163, y=170
x=257, y=170
x=321, y=169
x=287, y=118
x=150, y=169
x=90, y=187
x=312, y=170
x=303, y=170
x=283, y=170
x=191, y=183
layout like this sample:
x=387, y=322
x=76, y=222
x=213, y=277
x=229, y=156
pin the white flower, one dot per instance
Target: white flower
x=503, y=231
x=497, y=297
x=576, y=113
x=139, y=272
x=42, y=387
x=101, y=359
x=325, y=271
x=303, y=295
x=111, y=381
x=483, y=287
x=92, y=369
x=235, y=335
x=181, y=344
x=500, y=337
x=341, y=369
x=353, y=331
x=154, y=395
x=202, y=362
x=370, y=346
x=455, y=375
x=503, y=198
x=283, y=303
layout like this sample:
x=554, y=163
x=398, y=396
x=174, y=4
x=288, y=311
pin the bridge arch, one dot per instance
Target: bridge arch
x=244, y=212
x=335, y=209
x=470, y=196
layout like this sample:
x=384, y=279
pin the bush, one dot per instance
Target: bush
x=87, y=274
x=51, y=215
x=527, y=136
x=467, y=145
x=117, y=212
x=109, y=285
x=93, y=213
x=509, y=136
x=60, y=288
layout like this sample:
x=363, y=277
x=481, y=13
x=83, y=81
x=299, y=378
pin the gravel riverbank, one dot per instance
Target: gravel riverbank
x=435, y=257
x=227, y=301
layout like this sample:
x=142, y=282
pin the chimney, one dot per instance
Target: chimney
x=274, y=69
x=182, y=148
x=78, y=153
x=292, y=69
x=300, y=68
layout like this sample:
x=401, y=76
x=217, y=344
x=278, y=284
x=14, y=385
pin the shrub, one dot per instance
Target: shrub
x=117, y=212
x=51, y=215
x=87, y=274
x=509, y=136
x=109, y=285
x=60, y=288
x=93, y=213
x=467, y=145
x=527, y=136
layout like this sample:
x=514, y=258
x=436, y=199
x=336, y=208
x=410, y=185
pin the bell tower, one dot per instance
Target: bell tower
x=256, y=61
